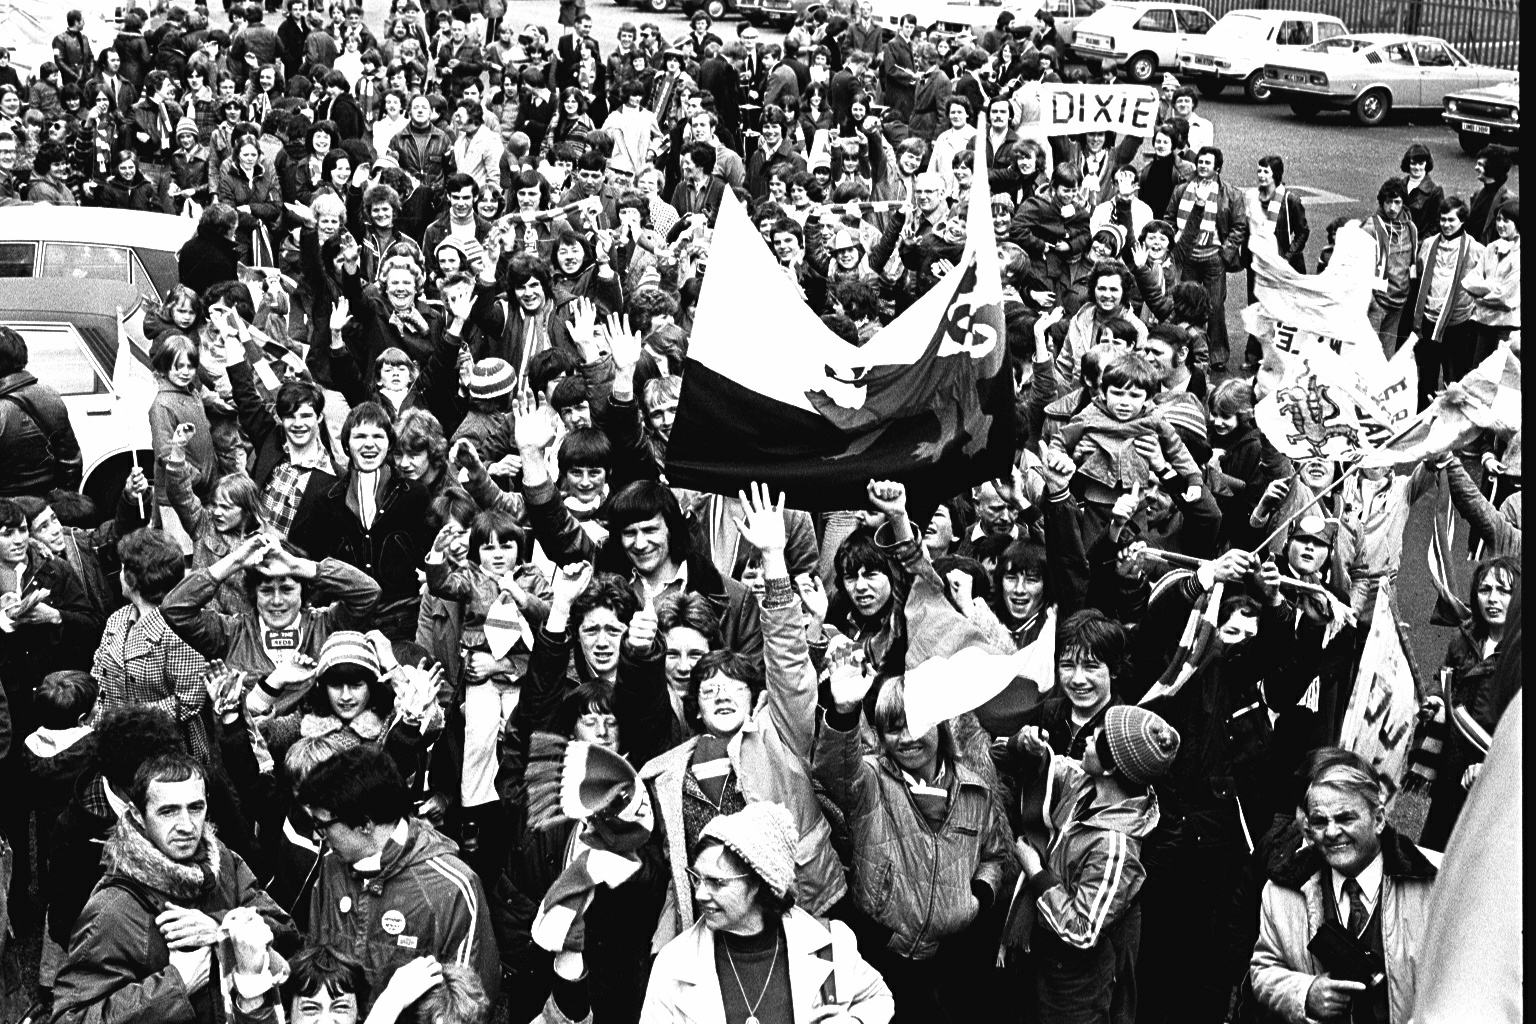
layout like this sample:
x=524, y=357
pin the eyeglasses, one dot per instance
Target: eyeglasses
x=324, y=825
x=712, y=882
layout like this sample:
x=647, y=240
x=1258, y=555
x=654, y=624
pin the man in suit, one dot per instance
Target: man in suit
x=898, y=69
x=569, y=49
x=720, y=76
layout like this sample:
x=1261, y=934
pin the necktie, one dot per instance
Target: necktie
x=1357, y=914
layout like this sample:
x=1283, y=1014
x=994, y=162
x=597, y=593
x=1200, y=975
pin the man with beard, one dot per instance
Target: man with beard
x=144, y=947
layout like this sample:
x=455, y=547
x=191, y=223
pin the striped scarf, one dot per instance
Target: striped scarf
x=1205, y=193
x=1462, y=241
x=1197, y=646
x=591, y=205
x=1275, y=206
x=865, y=208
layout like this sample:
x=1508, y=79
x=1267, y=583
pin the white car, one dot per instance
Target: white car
x=1141, y=38
x=1236, y=49
x=955, y=16
x=70, y=327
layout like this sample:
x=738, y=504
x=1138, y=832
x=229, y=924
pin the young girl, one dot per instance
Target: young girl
x=233, y=513
x=394, y=382
x=174, y=360
x=1242, y=461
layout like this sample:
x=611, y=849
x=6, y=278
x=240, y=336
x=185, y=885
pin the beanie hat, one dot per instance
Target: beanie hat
x=490, y=378
x=1115, y=234
x=1169, y=82
x=1142, y=744
x=187, y=126
x=348, y=647
x=764, y=835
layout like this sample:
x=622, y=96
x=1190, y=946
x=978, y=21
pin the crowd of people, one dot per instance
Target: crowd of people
x=279, y=727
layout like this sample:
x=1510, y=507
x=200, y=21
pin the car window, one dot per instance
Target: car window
x=1156, y=20
x=1083, y=8
x=1195, y=23
x=141, y=279
x=1432, y=55
x=1294, y=33
x=81, y=259
x=1329, y=29
x=57, y=357
x=16, y=258
x=1398, y=53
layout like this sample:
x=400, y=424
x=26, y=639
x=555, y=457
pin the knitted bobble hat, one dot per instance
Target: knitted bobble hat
x=1142, y=744
x=490, y=378
x=764, y=835
x=187, y=126
x=348, y=647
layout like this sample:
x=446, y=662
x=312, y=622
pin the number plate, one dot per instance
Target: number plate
x=1203, y=59
x=1296, y=78
x=1476, y=129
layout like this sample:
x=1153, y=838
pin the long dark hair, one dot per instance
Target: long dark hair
x=1510, y=567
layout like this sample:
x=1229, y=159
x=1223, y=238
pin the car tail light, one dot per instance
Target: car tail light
x=1514, y=114
x=1316, y=79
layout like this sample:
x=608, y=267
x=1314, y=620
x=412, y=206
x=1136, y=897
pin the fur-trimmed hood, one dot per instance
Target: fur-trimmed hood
x=129, y=854
x=368, y=726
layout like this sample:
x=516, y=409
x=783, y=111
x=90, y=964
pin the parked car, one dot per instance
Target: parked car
x=71, y=331
x=1238, y=46
x=1141, y=38
x=1481, y=116
x=90, y=242
x=1371, y=74
x=955, y=16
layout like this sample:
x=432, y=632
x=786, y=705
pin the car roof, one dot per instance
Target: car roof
x=1383, y=38
x=1268, y=14
x=95, y=224
x=64, y=298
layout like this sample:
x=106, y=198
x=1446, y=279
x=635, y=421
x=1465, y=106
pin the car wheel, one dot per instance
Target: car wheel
x=655, y=6
x=1254, y=86
x=1210, y=86
x=1471, y=143
x=1371, y=109
x=1141, y=67
x=715, y=9
x=1304, y=109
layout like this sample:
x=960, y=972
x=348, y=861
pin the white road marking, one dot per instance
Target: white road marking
x=1319, y=196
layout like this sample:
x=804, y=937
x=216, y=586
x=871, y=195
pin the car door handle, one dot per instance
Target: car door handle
x=98, y=412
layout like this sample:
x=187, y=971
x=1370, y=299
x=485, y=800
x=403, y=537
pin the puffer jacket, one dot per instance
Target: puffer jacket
x=1093, y=866
x=914, y=880
x=424, y=900
x=41, y=452
x=1282, y=970
x=119, y=966
x=770, y=756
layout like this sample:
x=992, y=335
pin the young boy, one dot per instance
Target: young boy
x=1120, y=440
x=63, y=746
x=1094, y=815
x=585, y=458
x=489, y=421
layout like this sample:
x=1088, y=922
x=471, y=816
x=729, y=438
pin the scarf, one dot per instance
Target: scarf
x=408, y=320
x=592, y=205
x=363, y=490
x=128, y=853
x=932, y=799
x=1206, y=194
x=1275, y=205
x=1387, y=232
x=863, y=209
x=1424, y=279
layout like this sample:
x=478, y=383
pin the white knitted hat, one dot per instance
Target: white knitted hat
x=765, y=836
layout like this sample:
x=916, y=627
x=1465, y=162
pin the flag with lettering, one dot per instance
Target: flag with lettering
x=771, y=394
x=1488, y=398
x=1074, y=109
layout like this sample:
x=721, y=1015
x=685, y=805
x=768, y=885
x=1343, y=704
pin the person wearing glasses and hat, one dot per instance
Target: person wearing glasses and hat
x=753, y=955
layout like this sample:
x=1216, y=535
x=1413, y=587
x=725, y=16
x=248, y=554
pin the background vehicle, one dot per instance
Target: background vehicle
x=1481, y=116
x=80, y=242
x=1238, y=46
x=1370, y=74
x=70, y=327
x=1141, y=38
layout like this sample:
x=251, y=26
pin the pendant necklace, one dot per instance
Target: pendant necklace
x=752, y=1007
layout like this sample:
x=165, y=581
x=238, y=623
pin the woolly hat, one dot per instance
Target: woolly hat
x=348, y=647
x=1169, y=82
x=764, y=835
x=1142, y=744
x=1114, y=233
x=820, y=158
x=490, y=378
x=187, y=126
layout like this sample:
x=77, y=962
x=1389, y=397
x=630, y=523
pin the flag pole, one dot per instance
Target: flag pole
x=1351, y=471
x=124, y=352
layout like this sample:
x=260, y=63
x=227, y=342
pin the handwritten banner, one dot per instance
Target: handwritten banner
x=1075, y=109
